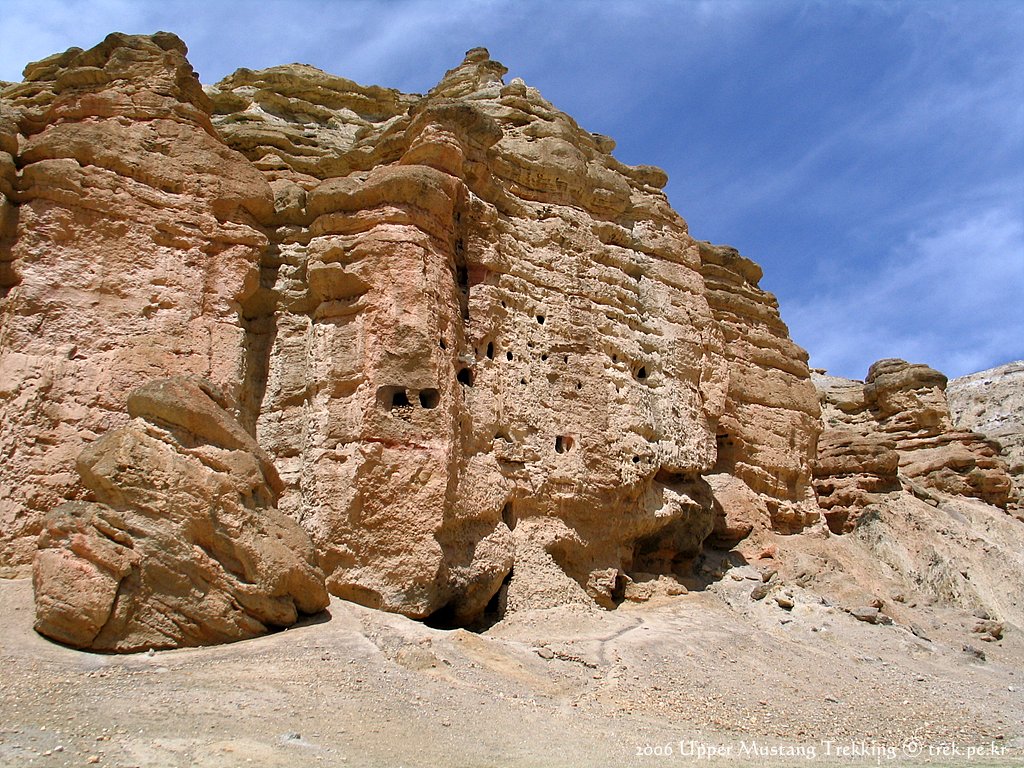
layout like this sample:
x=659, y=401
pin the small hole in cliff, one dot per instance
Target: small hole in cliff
x=465, y=376
x=393, y=397
x=495, y=609
x=615, y=358
x=441, y=343
x=429, y=398
x=540, y=319
x=522, y=381
x=508, y=516
x=509, y=356
x=490, y=350
x=563, y=444
x=579, y=385
x=544, y=356
x=565, y=358
x=443, y=618
x=641, y=372
x=636, y=459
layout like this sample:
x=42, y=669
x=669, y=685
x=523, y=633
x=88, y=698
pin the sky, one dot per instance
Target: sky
x=868, y=154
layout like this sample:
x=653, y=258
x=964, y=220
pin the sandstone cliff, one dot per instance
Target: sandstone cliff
x=992, y=402
x=132, y=245
x=894, y=426
x=481, y=363
x=480, y=350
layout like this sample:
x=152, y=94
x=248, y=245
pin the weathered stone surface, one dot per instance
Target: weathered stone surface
x=491, y=365
x=133, y=248
x=992, y=402
x=183, y=546
x=767, y=434
x=489, y=354
x=896, y=424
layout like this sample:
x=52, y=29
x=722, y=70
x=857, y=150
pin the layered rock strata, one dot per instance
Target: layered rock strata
x=182, y=545
x=992, y=402
x=132, y=246
x=897, y=425
x=767, y=436
x=489, y=362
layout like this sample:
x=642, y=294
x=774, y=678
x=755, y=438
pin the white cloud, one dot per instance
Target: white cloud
x=949, y=296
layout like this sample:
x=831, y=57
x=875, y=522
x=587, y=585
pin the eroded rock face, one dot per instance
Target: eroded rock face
x=182, y=546
x=992, y=402
x=897, y=424
x=767, y=435
x=524, y=374
x=132, y=248
x=488, y=360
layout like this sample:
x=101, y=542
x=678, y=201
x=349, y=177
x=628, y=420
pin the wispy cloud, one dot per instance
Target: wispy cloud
x=949, y=295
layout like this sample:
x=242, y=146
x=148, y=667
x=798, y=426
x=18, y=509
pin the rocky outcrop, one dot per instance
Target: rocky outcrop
x=134, y=246
x=182, y=545
x=992, y=402
x=488, y=360
x=897, y=425
x=767, y=435
x=485, y=337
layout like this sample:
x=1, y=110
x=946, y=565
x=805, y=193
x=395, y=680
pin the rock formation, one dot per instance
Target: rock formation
x=490, y=364
x=992, y=402
x=766, y=437
x=897, y=424
x=182, y=545
x=134, y=244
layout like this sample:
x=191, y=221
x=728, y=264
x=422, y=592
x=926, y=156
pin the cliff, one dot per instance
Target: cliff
x=481, y=363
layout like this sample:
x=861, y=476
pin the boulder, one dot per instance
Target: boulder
x=182, y=545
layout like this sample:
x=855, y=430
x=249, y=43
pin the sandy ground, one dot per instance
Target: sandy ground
x=707, y=678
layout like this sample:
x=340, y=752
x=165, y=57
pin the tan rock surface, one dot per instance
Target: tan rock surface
x=183, y=546
x=901, y=408
x=492, y=367
x=992, y=402
x=487, y=340
x=768, y=433
x=133, y=249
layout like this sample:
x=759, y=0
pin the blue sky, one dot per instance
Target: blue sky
x=868, y=154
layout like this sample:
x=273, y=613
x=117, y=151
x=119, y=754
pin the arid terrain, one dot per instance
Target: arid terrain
x=345, y=426
x=699, y=674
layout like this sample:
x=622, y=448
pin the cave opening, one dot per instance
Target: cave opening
x=429, y=398
x=508, y=516
x=465, y=376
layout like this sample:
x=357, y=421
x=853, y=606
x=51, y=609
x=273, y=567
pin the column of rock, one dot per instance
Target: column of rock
x=767, y=436
x=134, y=248
x=597, y=377
x=898, y=419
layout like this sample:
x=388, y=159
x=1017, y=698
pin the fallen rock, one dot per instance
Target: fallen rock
x=183, y=546
x=989, y=630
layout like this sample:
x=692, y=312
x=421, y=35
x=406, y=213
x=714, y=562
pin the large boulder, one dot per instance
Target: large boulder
x=182, y=545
